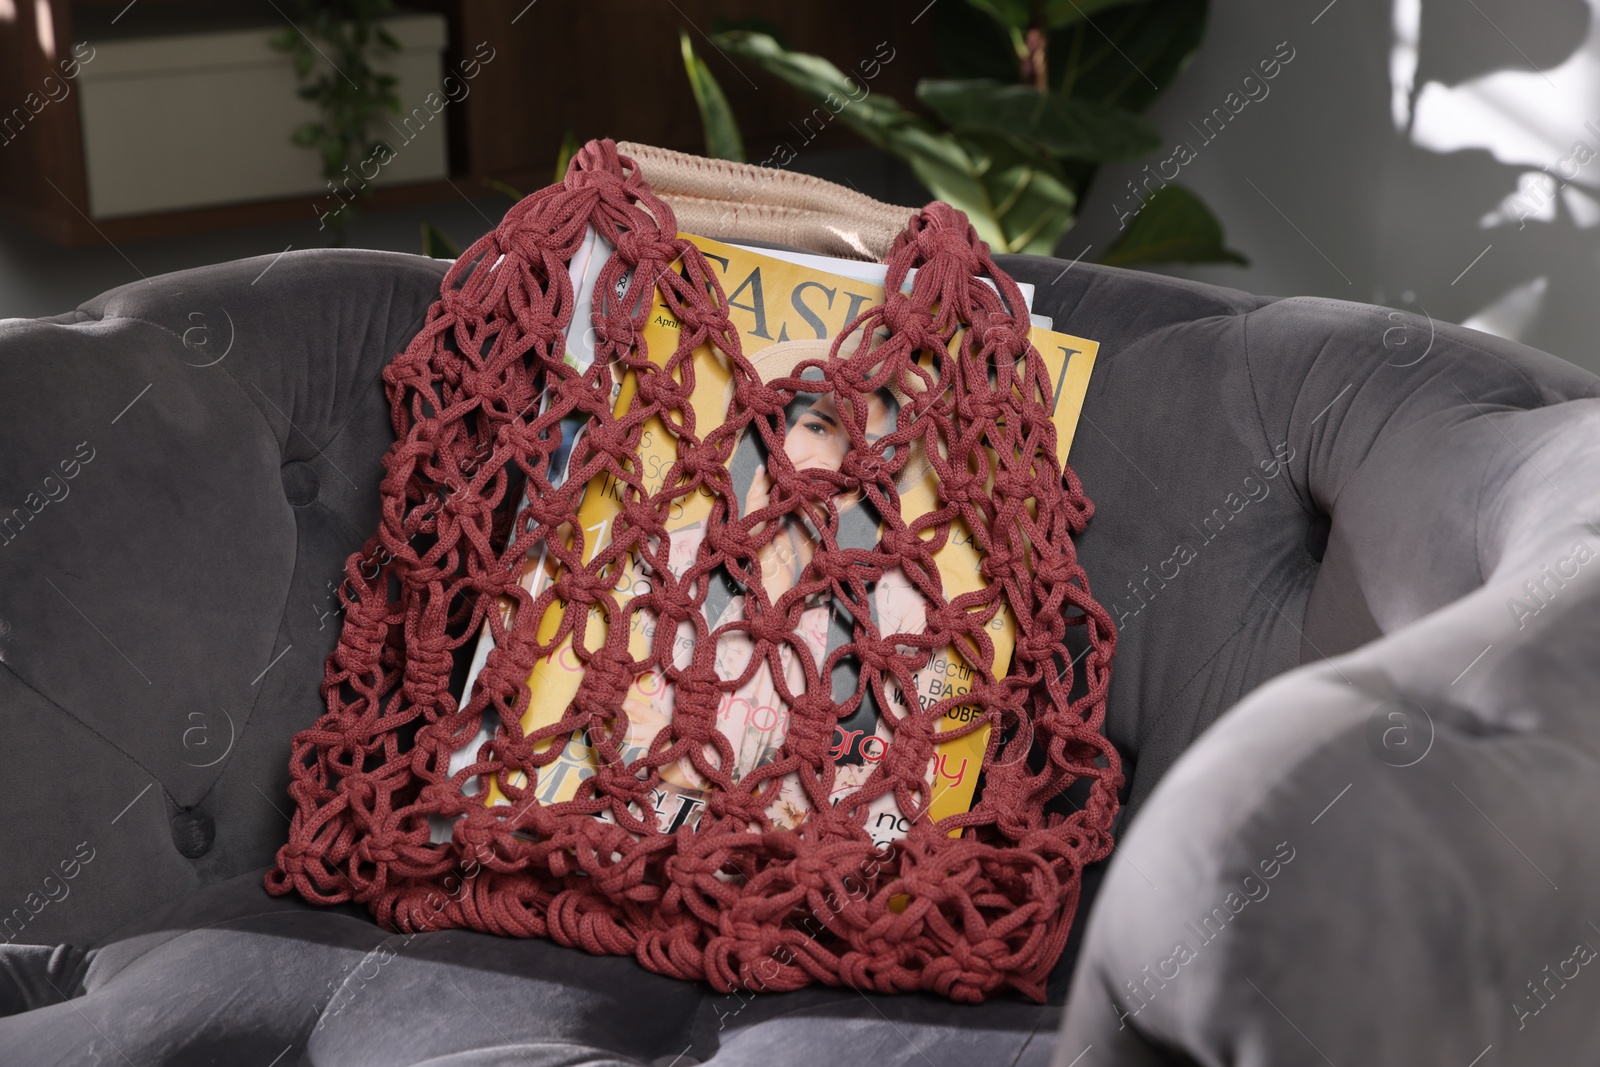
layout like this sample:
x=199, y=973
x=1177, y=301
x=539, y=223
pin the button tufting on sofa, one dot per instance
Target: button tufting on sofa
x=300, y=482
x=1317, y=535
x=193, y=831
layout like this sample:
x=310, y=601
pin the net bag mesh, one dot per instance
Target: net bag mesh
x=963, y=906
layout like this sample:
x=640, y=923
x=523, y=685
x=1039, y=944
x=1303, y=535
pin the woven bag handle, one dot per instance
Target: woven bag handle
x=720, y=199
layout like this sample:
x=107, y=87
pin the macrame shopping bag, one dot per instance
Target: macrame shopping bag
x=962, y=906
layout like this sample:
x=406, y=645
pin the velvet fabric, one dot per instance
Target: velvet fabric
x=1324, y=513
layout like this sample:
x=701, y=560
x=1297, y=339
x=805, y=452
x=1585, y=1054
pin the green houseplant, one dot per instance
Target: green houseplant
x=346, y=87
x=1037, y=94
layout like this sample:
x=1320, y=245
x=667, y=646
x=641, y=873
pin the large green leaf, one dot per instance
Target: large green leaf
x=1126, y=55
x=1011, y=14
x=1173, y=227
x=1061, y=126
x=753, y=24
x=1013, y=194
x=1060, y=13
x=876, y=117
x=1031, y=205
x=968, y=44
x=1019, y=15
x=810, y=74
x=716, y=116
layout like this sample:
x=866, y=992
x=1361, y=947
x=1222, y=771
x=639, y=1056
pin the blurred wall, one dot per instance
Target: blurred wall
x=1438, y=156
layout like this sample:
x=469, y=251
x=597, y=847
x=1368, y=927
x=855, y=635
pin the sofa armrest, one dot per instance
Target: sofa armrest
x=1387, y=857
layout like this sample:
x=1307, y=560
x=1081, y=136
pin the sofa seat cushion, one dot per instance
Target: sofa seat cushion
x=232, y=975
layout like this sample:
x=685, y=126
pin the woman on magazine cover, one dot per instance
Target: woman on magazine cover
x=754, y=717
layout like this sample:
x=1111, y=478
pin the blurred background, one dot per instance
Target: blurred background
x=1437, y=156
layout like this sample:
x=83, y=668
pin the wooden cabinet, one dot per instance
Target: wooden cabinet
x=612, y=68
x=42, y=178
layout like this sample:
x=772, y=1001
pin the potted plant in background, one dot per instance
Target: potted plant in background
x=350, y=93
x=1035, y=96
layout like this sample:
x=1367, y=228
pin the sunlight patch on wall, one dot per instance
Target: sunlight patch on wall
x=1514, y=312
x=1534, y=200
x=1407, y=28
x=1521, y=117
x=1584, y=209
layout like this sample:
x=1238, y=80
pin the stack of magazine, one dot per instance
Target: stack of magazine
x=788, y=307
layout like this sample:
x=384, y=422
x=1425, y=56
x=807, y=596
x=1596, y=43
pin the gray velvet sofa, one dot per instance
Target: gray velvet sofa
x=1352, y=559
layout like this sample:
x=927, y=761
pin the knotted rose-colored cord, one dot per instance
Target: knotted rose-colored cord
x=733, y=900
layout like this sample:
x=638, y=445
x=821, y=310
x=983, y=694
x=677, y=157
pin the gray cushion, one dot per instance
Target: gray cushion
x=163, y=625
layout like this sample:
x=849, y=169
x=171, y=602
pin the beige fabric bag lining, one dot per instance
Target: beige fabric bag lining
x=721, y=199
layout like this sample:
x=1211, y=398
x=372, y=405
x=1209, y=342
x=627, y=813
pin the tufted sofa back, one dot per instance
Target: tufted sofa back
x=1281, y=481
x=165, y=620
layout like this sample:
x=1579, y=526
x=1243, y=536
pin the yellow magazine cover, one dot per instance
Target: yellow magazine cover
x=786, y=313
